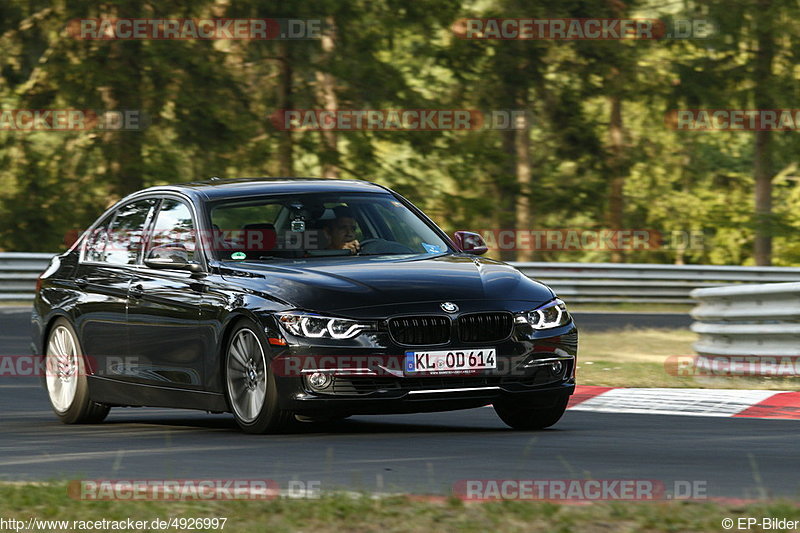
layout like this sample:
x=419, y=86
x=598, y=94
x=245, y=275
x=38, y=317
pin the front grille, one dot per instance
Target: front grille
x=485, y=327
x=420, y=330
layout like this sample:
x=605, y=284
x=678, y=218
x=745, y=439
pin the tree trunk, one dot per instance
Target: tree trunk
x=326, y=93
x=762, y=170
x=616, y=186
x=285, y=103
x=522, y=149
x=506, y=188
x=762, y=165
x=123, y=149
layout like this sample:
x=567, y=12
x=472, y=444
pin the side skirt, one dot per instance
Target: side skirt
x=123, y=394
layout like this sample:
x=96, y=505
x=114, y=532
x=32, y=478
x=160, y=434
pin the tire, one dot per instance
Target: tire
x=250, y=383
x=65, y=377
x=527, y=418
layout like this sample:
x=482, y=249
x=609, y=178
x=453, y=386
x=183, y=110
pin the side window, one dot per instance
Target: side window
x=173, y=233
x=94, y=247
x=125, y=233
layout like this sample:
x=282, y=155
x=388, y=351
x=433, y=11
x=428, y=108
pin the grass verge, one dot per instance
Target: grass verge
x=340, y=512
x=16, y=303
x=637, y=358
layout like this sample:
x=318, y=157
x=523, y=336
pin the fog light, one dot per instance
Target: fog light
x=556, y=368
x=319, y=380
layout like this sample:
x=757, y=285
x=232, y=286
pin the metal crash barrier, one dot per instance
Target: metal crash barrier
x=742, y=324
x=575, y=282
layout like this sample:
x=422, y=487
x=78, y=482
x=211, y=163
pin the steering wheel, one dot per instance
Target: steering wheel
x=375, y=246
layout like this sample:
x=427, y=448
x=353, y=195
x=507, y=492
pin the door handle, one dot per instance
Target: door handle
x=81, y=283
x=137, y=291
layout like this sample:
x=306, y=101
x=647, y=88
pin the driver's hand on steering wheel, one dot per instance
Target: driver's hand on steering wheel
x=354, y=246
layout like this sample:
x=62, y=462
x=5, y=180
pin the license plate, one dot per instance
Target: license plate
x=451, y=361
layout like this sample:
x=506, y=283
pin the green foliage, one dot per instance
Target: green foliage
x=208, y=104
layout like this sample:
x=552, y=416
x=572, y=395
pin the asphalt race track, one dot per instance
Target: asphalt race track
x=427, y=453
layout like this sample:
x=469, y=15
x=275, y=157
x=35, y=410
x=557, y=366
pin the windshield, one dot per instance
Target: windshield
x=319, y=225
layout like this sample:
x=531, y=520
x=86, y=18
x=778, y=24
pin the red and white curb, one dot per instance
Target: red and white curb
x=688, y=402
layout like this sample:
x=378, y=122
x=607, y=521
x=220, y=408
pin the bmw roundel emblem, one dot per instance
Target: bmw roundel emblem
x=449, y=307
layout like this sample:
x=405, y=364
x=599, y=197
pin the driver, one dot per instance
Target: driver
x=341, y=231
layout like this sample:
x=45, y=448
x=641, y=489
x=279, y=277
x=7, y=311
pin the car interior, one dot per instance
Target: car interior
x=297, y=229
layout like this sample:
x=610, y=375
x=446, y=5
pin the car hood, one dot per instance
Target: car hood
x=348, y=283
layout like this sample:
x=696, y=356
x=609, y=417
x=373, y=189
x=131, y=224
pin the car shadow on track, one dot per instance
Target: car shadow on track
x=360, y=425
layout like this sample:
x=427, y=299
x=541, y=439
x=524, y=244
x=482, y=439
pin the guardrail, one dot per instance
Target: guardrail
x=645, y=283
x=577, y=282
x=18, y=273
x=755, y=320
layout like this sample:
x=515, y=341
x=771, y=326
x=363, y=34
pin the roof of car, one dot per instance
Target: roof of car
x=217, y=188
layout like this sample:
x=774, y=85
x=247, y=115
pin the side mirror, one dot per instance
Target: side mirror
x=470, y=243
x=171, y=257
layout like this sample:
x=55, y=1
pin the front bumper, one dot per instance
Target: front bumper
x=363, y=379
x=428, y=400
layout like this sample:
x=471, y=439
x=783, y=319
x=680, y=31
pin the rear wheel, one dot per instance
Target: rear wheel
x=250, y=383
x=523, y=417
x=65, y=378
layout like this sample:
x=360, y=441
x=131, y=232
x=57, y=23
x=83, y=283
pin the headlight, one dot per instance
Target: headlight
x=550, y=315
x=316, y=326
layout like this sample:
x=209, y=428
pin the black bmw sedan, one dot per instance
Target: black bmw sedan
x=286, y=300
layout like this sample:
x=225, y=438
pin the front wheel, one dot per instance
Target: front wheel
x=250, y=383
x=523, y=417
x=65, y=378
